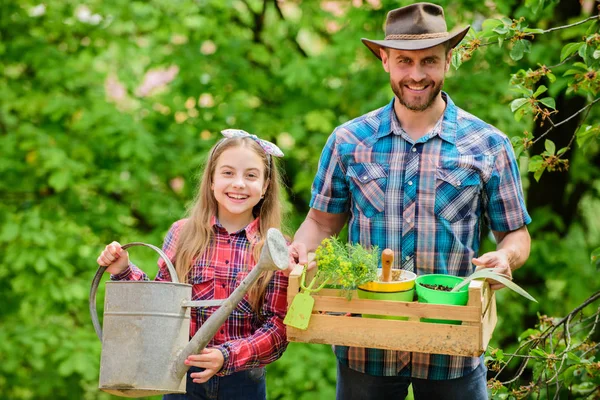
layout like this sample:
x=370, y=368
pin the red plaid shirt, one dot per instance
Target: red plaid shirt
x=247, y=340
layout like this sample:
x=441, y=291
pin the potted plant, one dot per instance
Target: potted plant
x=340, y=265
x=391, y=284
x=454, y=290
x=345, y=266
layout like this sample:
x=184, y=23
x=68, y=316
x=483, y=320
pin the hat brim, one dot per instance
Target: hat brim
x=375, y=45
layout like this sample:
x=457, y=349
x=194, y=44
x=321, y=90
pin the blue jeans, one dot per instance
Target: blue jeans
x=243, y=385
x=354, y=385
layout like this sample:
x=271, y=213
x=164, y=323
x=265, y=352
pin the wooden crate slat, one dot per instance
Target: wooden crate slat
x=391, y=335
x=397, y=308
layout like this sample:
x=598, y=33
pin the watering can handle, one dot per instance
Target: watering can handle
x=102, y=269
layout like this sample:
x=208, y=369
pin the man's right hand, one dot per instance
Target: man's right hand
x=114, y=258
x=298, y=255
x=317, y=226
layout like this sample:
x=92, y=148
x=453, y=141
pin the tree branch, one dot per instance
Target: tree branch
x=545, y=31
x=571, y=25
x=566, y=120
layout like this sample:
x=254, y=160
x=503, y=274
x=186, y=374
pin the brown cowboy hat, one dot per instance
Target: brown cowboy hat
x=415, y=27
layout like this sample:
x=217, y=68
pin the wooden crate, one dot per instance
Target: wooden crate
x=468, y=339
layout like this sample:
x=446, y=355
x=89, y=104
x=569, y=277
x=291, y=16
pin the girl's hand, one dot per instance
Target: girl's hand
x=210, y=359
x=114, y=257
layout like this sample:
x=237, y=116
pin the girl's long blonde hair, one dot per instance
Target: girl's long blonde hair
x=197, y=234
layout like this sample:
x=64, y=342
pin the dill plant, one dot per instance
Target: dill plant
x=346, y=265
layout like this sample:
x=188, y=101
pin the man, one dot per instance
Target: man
x=418, y=176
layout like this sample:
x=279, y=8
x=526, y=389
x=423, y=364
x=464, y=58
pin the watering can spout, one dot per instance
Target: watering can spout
x=273, y=257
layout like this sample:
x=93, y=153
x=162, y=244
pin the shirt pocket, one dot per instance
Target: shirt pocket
x=368, y=182
x=202, y=275
x=457, y=193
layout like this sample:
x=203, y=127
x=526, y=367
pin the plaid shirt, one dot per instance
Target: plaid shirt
x=423, y=199
x=247, y=340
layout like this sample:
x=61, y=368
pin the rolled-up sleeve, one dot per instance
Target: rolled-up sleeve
x=505, y=209
x=330, y=188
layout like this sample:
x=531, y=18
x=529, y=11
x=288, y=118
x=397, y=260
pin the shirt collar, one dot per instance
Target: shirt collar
x=389, y=124
x=251, y=230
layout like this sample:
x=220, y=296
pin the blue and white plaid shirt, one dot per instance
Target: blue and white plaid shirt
x=423, y=199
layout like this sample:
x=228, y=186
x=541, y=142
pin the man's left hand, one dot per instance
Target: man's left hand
x=497, y=260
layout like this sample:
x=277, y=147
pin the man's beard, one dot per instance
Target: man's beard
x=417, y=105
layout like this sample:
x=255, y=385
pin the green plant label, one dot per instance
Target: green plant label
x=298, y=315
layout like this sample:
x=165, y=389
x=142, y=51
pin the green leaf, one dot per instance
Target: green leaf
x=529, y=333
x=499, y=355
x=548, y=102
x=550, y=146
x=596, y=54
x=570, y=374
x=535, y=5
x=571, y=356
x=491, y=23
x=518, y=49
x=41, y=265
x=533, y=30
x=538, y=353
x=551, y=77
x=10, y=231
x=489, y=273
x=456, y=59
x=522, y=90
x=573, y=72
x=562, y=151
x=592, y=28
x=569, y=49
x=586, y=135
x=517, y=103
x=59, y=180
x=518, y=149
x=538, y=174
x=541, y=89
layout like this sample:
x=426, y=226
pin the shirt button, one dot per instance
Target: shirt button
x=409, y=183
x=228, y=241
x=226, y=262
x=414, y=149
x=407, y=258
x=364, y=178
x=408, y=220
x=458, y=183
x=223, y=285
x=222, y=332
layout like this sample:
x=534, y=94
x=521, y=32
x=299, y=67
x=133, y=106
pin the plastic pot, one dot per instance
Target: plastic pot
x=432, y=296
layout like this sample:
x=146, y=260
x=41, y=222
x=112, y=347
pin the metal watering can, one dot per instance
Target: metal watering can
x=146, y=325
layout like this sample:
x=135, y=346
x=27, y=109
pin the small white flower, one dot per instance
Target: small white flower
x=37, y=11
x=83, y=14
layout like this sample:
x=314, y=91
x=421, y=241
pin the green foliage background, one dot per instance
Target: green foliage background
x=91, y=154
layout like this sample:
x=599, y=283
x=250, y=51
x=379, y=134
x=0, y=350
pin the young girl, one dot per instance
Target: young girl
x=214, y=249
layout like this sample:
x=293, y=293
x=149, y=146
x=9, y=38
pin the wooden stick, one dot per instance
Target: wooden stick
x=387, y=259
